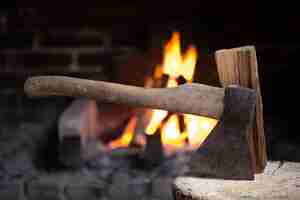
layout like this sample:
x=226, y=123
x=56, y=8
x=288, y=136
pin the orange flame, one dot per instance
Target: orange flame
x=171, y=137
x=196, y=128
x=126, y=136
x=172, y=56
x=188, y=64
x=157, y=117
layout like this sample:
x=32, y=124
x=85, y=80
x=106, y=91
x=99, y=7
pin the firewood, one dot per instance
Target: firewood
x=239, y=66
x=154, y=151
x=77, y=129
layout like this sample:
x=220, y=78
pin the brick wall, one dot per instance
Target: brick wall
x=35, y=43
x=61, y=52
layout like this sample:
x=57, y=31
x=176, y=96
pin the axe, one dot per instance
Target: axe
x=224, y=154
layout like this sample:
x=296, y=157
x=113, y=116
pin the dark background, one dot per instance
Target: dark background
x=211, y=25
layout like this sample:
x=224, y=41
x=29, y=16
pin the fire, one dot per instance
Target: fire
x=197, y=128
x=173, y=136
x=157, y=117
x=188, y=65
x=126, y=136
x=172, y=56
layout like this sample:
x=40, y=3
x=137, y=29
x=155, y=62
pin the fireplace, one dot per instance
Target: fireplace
x=146, y=123
x=31, y=162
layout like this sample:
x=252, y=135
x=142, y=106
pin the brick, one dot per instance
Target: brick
x=73, y=40
x=162, y=188
x=122, y=35
x=120, y=187
x=95, y=59
x=9, y=191
x=35, y=59
x=127, y=187
x=16, y=40
x=79, y=186
x=46, y=189
x=90, y=192
x=2, y=61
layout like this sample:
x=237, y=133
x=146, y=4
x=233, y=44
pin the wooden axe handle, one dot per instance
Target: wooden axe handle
x=193, y=98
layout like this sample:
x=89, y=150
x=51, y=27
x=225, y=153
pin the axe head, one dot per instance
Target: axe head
x=226, y=153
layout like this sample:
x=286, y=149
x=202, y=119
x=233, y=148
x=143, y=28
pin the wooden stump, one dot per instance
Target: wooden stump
x=279, y=181
x=239, y=66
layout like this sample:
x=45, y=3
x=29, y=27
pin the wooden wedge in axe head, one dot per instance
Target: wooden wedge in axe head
x=224, y=154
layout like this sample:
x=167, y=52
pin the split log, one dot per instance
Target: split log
x=279, y=181
x=78, y=129
x=239, y=66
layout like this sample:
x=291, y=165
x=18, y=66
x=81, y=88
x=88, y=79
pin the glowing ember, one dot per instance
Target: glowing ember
x=158, y=72
x=126, y=136
x=172, y=83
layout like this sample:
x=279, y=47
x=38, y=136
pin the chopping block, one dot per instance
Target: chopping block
x=224, y=154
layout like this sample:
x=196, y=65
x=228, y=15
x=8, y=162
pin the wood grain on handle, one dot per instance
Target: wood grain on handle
x=188, y=98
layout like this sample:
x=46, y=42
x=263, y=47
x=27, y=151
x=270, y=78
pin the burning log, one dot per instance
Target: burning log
x=239, y=66
x=154, y=152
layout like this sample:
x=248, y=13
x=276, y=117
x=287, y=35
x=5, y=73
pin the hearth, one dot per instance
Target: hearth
x=95, y=159
x=78, y=148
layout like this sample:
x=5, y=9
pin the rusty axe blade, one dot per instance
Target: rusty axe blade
x=225, y=153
